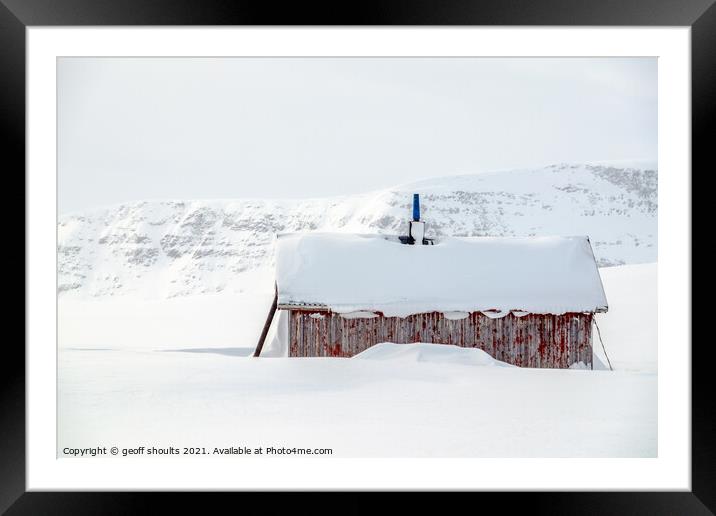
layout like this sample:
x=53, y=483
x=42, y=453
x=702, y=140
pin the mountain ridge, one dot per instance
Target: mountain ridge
x=165, y=248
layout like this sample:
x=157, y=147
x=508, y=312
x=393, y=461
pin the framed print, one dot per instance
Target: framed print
x=428, y=249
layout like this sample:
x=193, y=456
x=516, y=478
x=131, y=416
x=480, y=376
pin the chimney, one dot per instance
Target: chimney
x=417, y=227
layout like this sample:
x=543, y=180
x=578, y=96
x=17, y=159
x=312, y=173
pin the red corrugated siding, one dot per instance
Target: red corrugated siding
x=555, y=341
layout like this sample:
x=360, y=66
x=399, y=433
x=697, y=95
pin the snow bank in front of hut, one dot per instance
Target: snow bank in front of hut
x=428, y=352
x=495, y=275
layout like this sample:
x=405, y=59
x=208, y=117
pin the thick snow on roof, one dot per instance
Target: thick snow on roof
x=348, y=273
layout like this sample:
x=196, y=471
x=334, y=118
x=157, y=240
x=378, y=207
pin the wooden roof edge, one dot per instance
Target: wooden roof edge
x=326, y=308
x=304, y=306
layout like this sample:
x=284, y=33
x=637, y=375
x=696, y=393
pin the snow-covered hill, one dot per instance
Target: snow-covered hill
x=160, y=249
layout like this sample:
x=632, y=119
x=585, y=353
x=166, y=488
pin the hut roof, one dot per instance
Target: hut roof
x=352, y=273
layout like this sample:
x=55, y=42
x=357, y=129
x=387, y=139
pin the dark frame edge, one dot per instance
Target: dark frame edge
x=366, y=12
x=703, y=127
x=12, y=379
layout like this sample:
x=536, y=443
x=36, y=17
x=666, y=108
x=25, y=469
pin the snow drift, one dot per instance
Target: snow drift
x=428, y=352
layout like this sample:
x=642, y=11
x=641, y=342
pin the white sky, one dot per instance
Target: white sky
x=146, y=128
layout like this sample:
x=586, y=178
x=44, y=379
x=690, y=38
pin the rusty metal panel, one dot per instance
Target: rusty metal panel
x=533, y=340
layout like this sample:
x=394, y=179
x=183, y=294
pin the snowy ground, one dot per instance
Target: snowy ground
x=177, y=373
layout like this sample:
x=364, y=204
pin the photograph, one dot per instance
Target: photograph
x=356, y=257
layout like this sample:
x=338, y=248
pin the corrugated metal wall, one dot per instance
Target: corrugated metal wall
x=555, y=341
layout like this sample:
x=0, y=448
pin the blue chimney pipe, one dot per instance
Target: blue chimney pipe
x=416, y=207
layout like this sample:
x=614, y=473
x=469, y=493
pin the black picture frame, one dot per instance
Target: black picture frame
x=16, y=15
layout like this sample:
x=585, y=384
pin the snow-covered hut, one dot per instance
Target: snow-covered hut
x=526, y=301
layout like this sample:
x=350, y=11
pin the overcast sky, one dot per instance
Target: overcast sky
x=148, y=128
